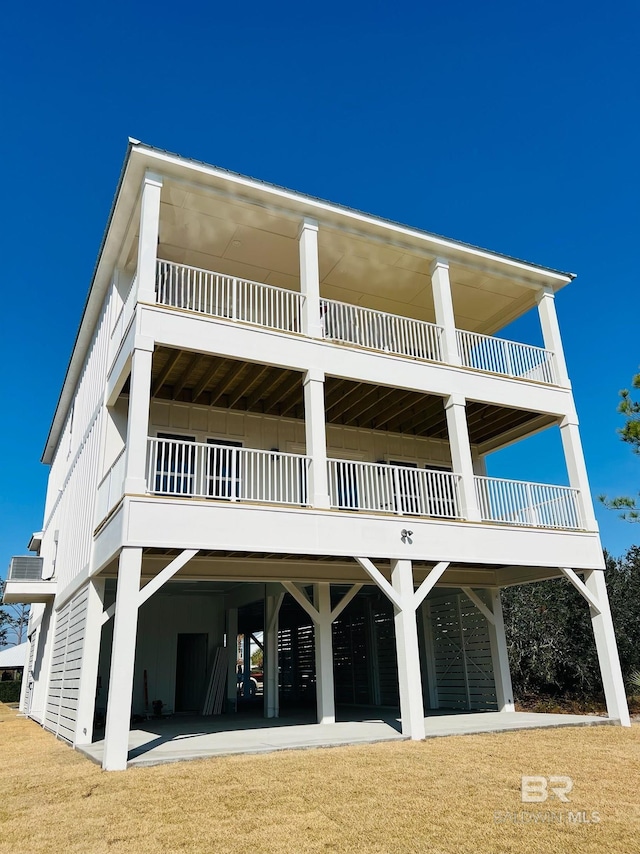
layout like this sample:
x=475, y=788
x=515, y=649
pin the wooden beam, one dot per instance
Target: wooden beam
x=335, y=390
x=207, y=377
x=164, y=373
x=338, y=400
x=433, y=416
x=384, y=393
x=404, y=403
x=177, y=388
x=253, y=374
x=266, y=386
x=354, y=401
x=283, y=392
x=224, y=382
x=295, y=397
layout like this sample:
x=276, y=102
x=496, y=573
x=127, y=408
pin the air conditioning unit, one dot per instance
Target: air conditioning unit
x=24, y=568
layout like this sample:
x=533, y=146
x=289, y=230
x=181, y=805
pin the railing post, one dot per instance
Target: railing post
x=316, y=438
x=148, y=240
x=445, y=317
x=551, y=334
x=577, y=470
x=533, y=512
x=310, y=278
x=455, y=408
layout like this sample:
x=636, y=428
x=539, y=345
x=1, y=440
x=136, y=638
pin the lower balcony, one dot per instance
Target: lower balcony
x=25, y=582
x=229, y=473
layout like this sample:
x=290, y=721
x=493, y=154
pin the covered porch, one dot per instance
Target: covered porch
x=351, y=655
x=179, y=739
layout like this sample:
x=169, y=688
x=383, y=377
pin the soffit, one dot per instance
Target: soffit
x=186, y=377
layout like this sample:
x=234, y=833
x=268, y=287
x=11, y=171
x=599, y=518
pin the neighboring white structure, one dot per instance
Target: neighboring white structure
x=270, y=395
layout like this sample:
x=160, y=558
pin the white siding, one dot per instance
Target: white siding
x=75, y=470
x=265, y=432
x=66, y=662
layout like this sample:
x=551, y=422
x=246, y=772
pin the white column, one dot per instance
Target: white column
x=138, y=417
x=455, y=408
x=316, y=438
x=430, y=654
x=272, y=601
x=246, y=665
x=551, y=332
x=443, y=304
x=409, y=676
x=607, y=649
x=90, y=657
x=499, y=655
x=310, y=278
x=123, y=653
x=577, y=470
x=232, y=662
x=148, y=239
x=324, y=654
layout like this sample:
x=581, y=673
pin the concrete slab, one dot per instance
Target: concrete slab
x=183, y=738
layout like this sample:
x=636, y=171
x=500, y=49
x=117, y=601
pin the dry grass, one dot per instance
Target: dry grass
x=437, y=796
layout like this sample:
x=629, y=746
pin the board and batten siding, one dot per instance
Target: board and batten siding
x=462, y=653
x=75, y=469
x=267, y=432
x=66, y=664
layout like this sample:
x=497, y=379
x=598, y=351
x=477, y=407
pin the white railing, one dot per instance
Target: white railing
x=204, y=470
x=539, y=505
x=219, y=295
x=110, y=488
x=499, y=356
x=378, y=330
x=393, y=489
x=123, y=319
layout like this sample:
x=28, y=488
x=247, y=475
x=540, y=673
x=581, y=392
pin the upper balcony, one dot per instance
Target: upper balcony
x=239, y=300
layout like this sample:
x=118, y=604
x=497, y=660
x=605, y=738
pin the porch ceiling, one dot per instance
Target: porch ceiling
x=215, y=571
x=214, y=381
x=367, y=265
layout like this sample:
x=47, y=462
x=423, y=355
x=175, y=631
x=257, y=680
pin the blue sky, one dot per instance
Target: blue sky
x=512, y=126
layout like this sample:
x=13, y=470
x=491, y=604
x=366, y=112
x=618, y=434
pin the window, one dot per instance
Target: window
x=406, y=487
x=224, y=474
x=175, y=464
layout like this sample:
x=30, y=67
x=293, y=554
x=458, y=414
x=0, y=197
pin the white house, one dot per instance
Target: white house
x=275, y=419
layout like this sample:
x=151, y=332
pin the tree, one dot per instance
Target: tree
x=13, y=622
x=550, y=638
x=630, y=433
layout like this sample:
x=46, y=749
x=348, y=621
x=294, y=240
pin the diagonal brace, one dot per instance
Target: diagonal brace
x=378, y=578
x=582, y=588
x=302, y=600
x=477, y=601
x=342, y=604
x=168, y=572
x=429, y=583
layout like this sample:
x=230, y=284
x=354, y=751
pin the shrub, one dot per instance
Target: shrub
x=10, y=692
